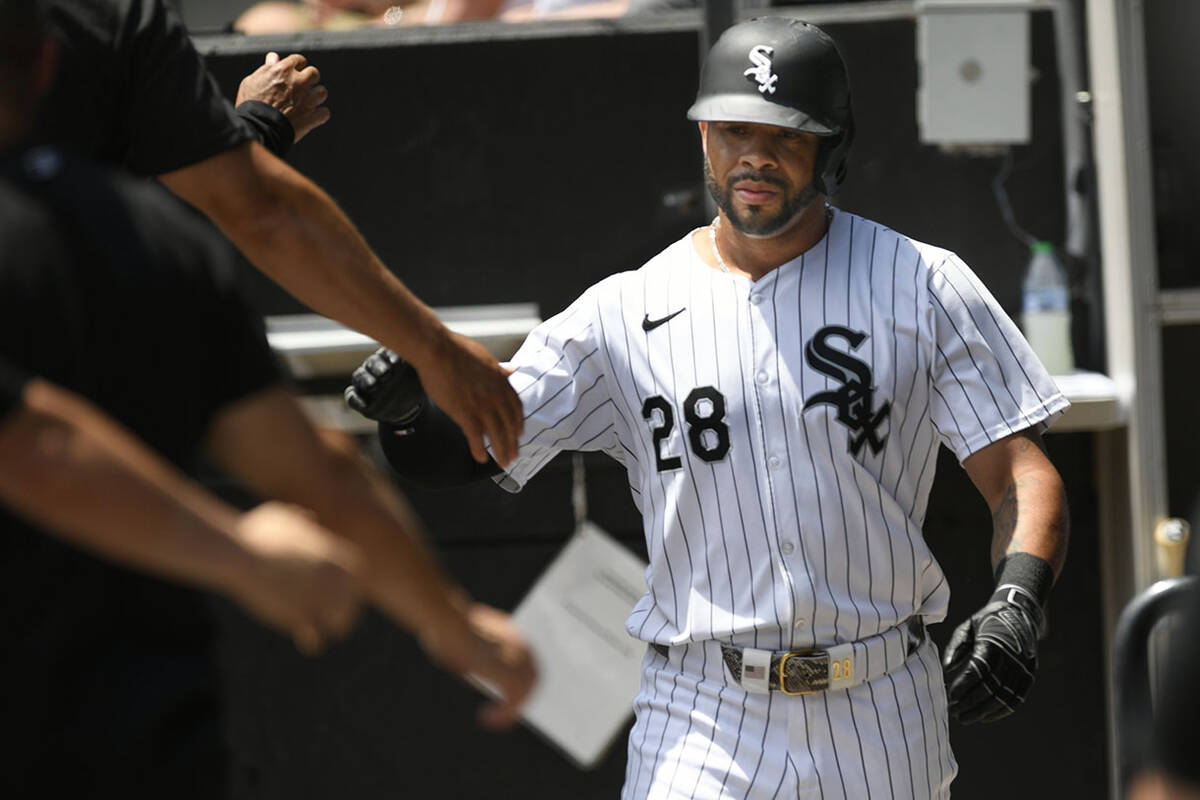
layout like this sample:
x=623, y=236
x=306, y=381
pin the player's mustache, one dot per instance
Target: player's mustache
x=757, y=177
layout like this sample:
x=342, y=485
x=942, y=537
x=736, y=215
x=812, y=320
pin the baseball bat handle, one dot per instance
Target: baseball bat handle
x=1171, y=535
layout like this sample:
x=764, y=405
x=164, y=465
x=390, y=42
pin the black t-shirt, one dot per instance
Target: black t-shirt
x=131, y=89
x=109, y=288
x=12, y=383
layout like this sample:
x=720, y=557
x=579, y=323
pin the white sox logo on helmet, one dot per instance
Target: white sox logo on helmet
x=760, y=57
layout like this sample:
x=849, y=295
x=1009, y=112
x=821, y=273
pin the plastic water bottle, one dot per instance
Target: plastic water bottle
x=1046, y=309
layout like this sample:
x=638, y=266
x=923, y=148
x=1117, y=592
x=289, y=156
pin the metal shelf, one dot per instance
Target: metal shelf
x=314, y=346
x=1096, y=404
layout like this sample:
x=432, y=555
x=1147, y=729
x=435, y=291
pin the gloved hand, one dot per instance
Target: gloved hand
x=991, y=659
x=386, y=388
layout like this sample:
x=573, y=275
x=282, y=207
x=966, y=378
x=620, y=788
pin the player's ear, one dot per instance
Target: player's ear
x=703, y=126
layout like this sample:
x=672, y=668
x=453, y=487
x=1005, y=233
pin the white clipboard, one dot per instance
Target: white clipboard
x=589, y=666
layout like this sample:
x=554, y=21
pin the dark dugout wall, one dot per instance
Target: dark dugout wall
x=493, y=164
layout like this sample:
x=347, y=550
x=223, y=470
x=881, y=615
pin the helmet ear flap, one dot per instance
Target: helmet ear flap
x=830, y=169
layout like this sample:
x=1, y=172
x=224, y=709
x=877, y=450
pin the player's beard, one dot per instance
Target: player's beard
x=755, y=221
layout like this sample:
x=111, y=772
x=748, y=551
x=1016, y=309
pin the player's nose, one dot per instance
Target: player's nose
x=759, y=152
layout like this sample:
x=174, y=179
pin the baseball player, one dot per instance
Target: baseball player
x=777, y=385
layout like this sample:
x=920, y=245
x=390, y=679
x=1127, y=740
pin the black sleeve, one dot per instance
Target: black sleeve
x=12, y=385
x=269, y=125
x=433, y=451
x=174, y=113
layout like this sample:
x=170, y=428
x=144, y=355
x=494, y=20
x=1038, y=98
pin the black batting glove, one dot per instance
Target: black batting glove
x=991, y=659
x=386, y=388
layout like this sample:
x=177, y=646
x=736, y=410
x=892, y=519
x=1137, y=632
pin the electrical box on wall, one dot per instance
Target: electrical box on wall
x=973, y=57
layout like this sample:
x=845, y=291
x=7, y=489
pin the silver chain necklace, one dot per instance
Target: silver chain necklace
x=712, y=237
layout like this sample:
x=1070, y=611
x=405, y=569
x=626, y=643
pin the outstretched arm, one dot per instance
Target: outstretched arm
x=419, y=440
x=71, y=469
x=267, y=441
x=294, y=232
x=991, y=659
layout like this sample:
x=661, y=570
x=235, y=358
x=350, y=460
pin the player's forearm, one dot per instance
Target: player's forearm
x=403, y=577
x=67, y=467
x=1031, y=517
x=297, y=235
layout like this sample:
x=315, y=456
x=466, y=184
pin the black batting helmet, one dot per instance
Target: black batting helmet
x=780, y=71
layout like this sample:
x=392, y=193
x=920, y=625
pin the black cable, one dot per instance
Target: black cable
x=1001, y=194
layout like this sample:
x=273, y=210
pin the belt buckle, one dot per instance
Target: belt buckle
x=814, y=669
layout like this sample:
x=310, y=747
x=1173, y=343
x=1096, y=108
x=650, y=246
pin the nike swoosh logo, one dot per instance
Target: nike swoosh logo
x=650, y=324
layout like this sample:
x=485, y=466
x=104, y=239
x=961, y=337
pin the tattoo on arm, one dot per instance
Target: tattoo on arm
x=1004, y=523
x=1046, y=534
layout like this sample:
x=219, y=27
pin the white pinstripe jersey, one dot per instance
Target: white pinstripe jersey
x=780, y=435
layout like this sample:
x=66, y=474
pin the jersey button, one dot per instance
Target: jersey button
x=773, y=462
x=755, y=299
x=787, y=547
x=763, y=378
x=800, y=624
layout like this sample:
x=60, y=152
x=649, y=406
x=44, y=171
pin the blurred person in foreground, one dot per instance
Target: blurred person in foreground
x=1173, y=770
x=132, y=92
x=110, y=292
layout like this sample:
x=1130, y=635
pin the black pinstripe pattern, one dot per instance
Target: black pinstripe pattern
x=645, y=445
x=941, y=725
x=712, y=470
x=924, y=732
x=973, y=281
x=800, y=532
x=534, y=379
x=762, y=438
x=937, y=301
x=938, y=333
x=705, y=582
x=837, y=479
x=564, y=387
x=727, y=466
x=808, y=736
x=916, y=372
x=550, y=426
x=1004, y=379
x=758, y=489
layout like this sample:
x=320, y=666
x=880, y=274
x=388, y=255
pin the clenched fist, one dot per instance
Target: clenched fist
x=298, y=578
x=293, y=87
x=991, y=659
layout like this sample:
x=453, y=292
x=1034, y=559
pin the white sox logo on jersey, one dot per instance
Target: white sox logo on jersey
x=760, y=57
x=855, y=398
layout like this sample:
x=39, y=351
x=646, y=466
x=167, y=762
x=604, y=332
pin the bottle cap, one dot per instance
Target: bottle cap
x=1042, y=247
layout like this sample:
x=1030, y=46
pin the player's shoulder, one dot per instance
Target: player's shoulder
x=677, y=255
x=923, y=256
x=619, y=287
